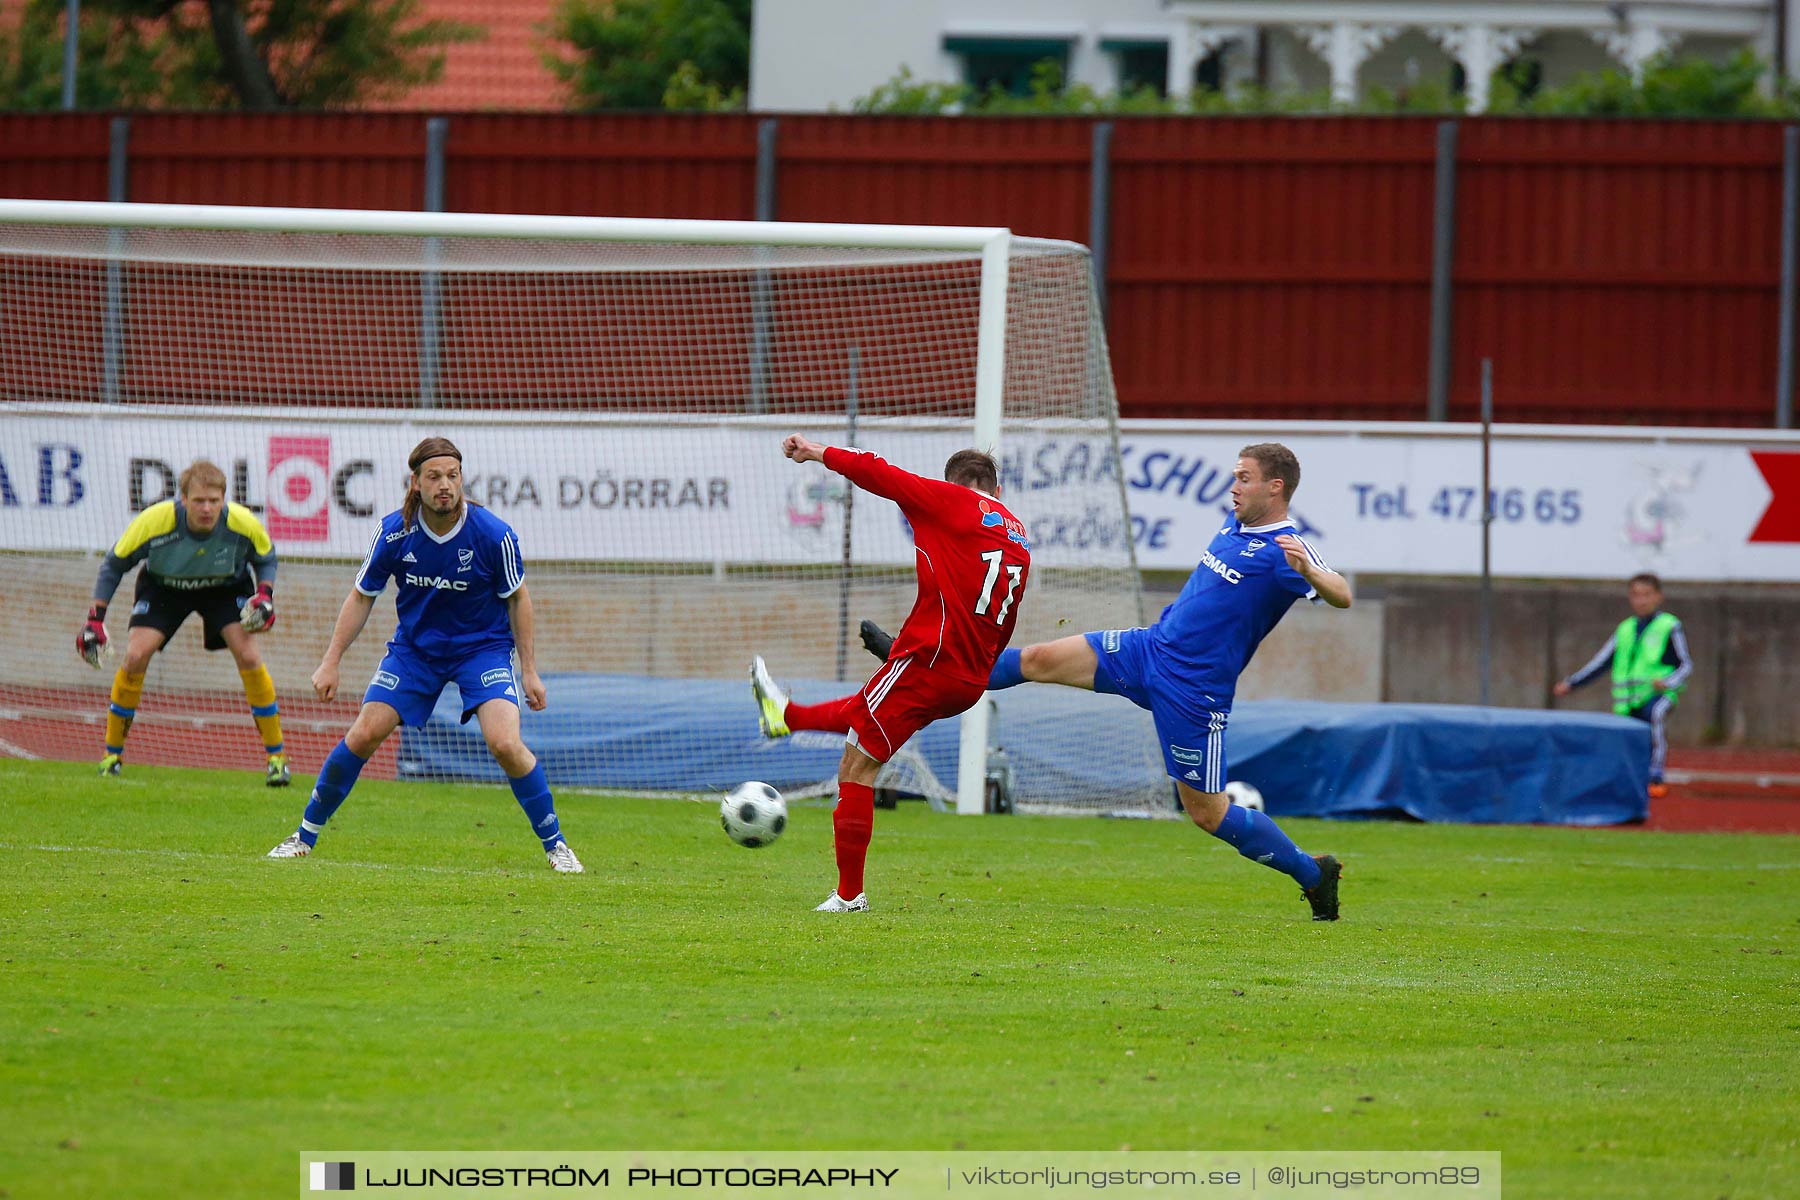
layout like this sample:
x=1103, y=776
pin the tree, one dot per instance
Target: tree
x=260, y=55
x=123, y=64
x=638, y=54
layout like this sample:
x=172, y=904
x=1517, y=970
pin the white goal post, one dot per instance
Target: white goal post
x=134, y=338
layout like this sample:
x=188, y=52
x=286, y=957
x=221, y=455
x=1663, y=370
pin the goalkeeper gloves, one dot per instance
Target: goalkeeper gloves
x=90, y=643
x=258, y=612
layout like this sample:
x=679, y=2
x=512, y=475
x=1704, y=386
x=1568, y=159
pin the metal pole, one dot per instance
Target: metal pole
x=431, y=283
x=990, y=388
x=112, y=329
x=1790, y=206
x=1443, y=260
x=1487, y=526
x=1100, y=207
x=843, y=641
x=71, y=46
x=767, y=131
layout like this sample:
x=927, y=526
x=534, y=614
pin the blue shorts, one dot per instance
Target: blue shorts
x=1192, y=735
x=410, y=685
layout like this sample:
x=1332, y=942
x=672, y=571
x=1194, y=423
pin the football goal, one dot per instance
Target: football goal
x=619, y=390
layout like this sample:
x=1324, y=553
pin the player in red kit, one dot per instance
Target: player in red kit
x=973, y=561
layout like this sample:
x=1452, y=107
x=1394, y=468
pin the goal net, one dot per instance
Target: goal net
x=619, y=390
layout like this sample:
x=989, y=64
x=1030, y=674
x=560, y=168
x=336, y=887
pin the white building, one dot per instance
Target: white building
x=816, y=55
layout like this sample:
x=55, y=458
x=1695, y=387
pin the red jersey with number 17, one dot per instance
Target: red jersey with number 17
x=974, y=558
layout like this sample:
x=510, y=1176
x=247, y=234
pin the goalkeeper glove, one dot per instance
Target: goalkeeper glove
x=90, y=643
x=258, y=612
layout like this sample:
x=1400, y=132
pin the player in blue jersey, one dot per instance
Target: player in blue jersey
x=464, y=611
x=1185, y=668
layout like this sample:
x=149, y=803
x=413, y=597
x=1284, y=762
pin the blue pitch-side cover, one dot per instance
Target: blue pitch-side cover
x=1430, y=762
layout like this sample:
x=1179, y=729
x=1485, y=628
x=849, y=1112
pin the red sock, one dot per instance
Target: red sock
x=833, y=716
x=851, y=826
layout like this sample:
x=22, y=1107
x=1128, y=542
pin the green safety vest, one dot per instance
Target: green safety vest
x=1638, y=662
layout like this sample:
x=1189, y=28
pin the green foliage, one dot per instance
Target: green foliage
x=688, y=92
x=1424, y=97
x=159, y=54
x=123, y=63
x=905, y=96
x=1669, y=88
x=336, y=53
x=643, y=54
x=1613, y=1011
x=1049, y=95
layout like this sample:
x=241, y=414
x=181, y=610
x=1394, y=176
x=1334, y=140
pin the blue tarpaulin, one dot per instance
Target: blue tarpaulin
x=1442, y=762
x=1432, y=762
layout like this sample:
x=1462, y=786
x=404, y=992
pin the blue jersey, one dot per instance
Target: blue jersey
x=1241, y=588
x=450, y=591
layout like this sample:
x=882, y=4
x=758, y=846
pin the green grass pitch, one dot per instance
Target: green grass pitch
x=1616, y=1012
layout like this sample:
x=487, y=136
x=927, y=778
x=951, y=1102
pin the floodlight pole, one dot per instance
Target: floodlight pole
x=990, y=387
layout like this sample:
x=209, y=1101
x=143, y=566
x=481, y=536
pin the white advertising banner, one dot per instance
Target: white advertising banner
x=714, y=490
x=1567, y=502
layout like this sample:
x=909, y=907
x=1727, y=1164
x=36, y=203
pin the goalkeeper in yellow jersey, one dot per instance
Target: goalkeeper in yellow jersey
x=200, y=555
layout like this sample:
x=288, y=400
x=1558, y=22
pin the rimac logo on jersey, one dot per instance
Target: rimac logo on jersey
x=437, y=582
x=1211, y=562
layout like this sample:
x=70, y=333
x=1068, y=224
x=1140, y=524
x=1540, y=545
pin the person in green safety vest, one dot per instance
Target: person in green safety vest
x=1650, y=663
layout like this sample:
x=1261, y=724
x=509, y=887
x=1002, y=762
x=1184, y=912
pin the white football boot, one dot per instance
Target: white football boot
x=293, y=847
x=563, y=860
x=836, y=903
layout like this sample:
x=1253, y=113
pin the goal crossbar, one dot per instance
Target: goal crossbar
x=972, y=239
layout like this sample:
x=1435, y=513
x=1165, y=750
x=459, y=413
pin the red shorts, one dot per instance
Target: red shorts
x=900, y=699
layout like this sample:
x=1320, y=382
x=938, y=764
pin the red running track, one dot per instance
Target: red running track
x=1730, y=789
x=69, y=724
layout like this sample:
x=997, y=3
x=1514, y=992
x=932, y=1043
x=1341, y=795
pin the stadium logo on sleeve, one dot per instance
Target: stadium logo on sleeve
x=299, y=496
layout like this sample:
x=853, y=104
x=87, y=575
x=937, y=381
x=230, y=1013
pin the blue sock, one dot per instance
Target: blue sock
x=1007, y=672
x=532, y=791
x=1259, y=839
x=336, y=778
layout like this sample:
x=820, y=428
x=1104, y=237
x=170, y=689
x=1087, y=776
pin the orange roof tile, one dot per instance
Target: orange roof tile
x=504, y=70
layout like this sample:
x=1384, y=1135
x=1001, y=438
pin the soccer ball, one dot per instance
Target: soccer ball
x=754, y=814
x=1243, y=795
